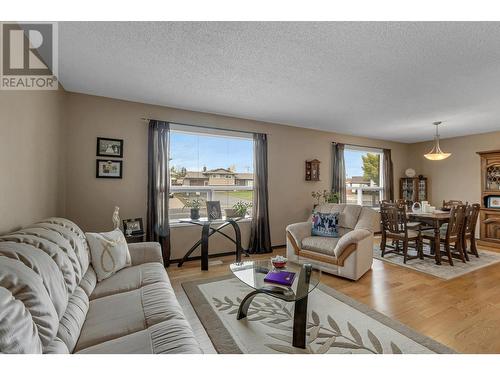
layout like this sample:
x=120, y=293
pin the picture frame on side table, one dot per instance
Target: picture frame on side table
x=494, y=202
x=133, y=226
x=213, y=210
x=109, y=147
x=109, y=169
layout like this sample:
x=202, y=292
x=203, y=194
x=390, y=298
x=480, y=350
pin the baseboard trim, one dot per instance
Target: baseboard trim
x=198, y=257
x=277, y=247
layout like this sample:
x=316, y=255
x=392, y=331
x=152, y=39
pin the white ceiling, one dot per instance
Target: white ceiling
x=375, y=79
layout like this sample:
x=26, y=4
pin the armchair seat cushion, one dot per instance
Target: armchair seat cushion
x=323, y=245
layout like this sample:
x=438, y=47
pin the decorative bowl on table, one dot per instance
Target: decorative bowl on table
x=279, y=261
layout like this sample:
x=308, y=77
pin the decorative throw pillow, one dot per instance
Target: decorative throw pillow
x=109, y=252
x=325, y=225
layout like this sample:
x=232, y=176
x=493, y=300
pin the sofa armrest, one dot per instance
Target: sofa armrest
x=350, y=238
x=145, y=252
x=299, y=231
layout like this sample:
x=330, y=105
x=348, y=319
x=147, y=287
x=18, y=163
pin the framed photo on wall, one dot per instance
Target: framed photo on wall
x=110, y=147
x=108, y=169
x=133, y=226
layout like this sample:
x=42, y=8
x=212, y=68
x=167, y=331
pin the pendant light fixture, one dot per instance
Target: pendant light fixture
x=436, y=153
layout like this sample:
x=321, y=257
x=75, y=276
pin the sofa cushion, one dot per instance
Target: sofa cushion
x=369, y=219
x=125, y=313
x=77, y=243
x=170, y=337
x=89, y=281
x=109, y=252
x=57, y=254
x=72, y=321
x=56, y=246
x=323, y=245
x=145, y=252
x=18, y=332
x=349, y=216
x=57, y=346
x=129, y=279
x=26, y=286
x=44, y=267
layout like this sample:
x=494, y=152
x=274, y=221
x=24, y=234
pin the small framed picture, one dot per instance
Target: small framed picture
x=494, y=202
x=108, y=169
x=110, y=147
x=213, y=210
x=133, y=226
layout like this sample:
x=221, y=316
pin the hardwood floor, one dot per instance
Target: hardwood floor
x=463, y=313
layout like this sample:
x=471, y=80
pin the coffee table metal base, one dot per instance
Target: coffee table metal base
x=299, y=316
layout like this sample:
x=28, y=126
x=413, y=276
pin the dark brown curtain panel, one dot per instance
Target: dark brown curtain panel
x=158, y=229
x=260, y=237
x=388, y=176
x=338, y=173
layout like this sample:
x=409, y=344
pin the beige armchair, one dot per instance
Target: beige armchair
x=350, y=255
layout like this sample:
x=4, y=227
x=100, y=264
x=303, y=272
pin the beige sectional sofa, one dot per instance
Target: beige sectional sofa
x=51, y=302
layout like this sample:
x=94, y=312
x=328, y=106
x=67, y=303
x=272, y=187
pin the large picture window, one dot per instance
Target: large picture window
x=210, y=165
x=364, y=177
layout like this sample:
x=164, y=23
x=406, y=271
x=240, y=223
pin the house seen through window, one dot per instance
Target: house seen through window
x=364, y=177
x=209, y=165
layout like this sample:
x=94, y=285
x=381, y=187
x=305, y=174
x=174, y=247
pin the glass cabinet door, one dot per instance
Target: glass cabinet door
x=493, y=177
x=422, y=190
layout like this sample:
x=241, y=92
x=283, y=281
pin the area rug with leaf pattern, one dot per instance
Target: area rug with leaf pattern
x=336, y=323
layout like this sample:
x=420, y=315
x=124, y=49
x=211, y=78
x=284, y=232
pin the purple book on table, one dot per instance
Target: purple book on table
x=281, y=277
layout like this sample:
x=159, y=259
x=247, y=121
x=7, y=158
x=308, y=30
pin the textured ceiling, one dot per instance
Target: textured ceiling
x=375, y=79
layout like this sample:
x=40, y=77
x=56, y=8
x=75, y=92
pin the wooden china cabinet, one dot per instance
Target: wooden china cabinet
x=413, y=189
x=489, y=219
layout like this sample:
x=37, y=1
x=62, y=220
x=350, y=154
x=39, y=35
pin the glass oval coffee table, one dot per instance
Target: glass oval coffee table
x=252, y=273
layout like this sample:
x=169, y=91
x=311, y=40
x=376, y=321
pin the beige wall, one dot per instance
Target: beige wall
x=457, y=177
x=32, y=152
x=90, y=201
x=47, y=156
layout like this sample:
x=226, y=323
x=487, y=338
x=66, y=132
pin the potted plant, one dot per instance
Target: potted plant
x=195, y=205
x=331, y=197
x=240, y=209
x=325, y=196
x=316, y=195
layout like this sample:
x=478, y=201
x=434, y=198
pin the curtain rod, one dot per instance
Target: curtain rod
x=353, y=145
x=203, y=126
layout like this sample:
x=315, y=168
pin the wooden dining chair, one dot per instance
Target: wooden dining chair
x=469, y=231
x=394, y=227
x=451, y=236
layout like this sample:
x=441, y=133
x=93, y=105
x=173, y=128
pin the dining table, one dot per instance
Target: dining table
x=435, y=220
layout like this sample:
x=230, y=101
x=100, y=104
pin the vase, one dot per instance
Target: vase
x=231, y=213
x=195, y=213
